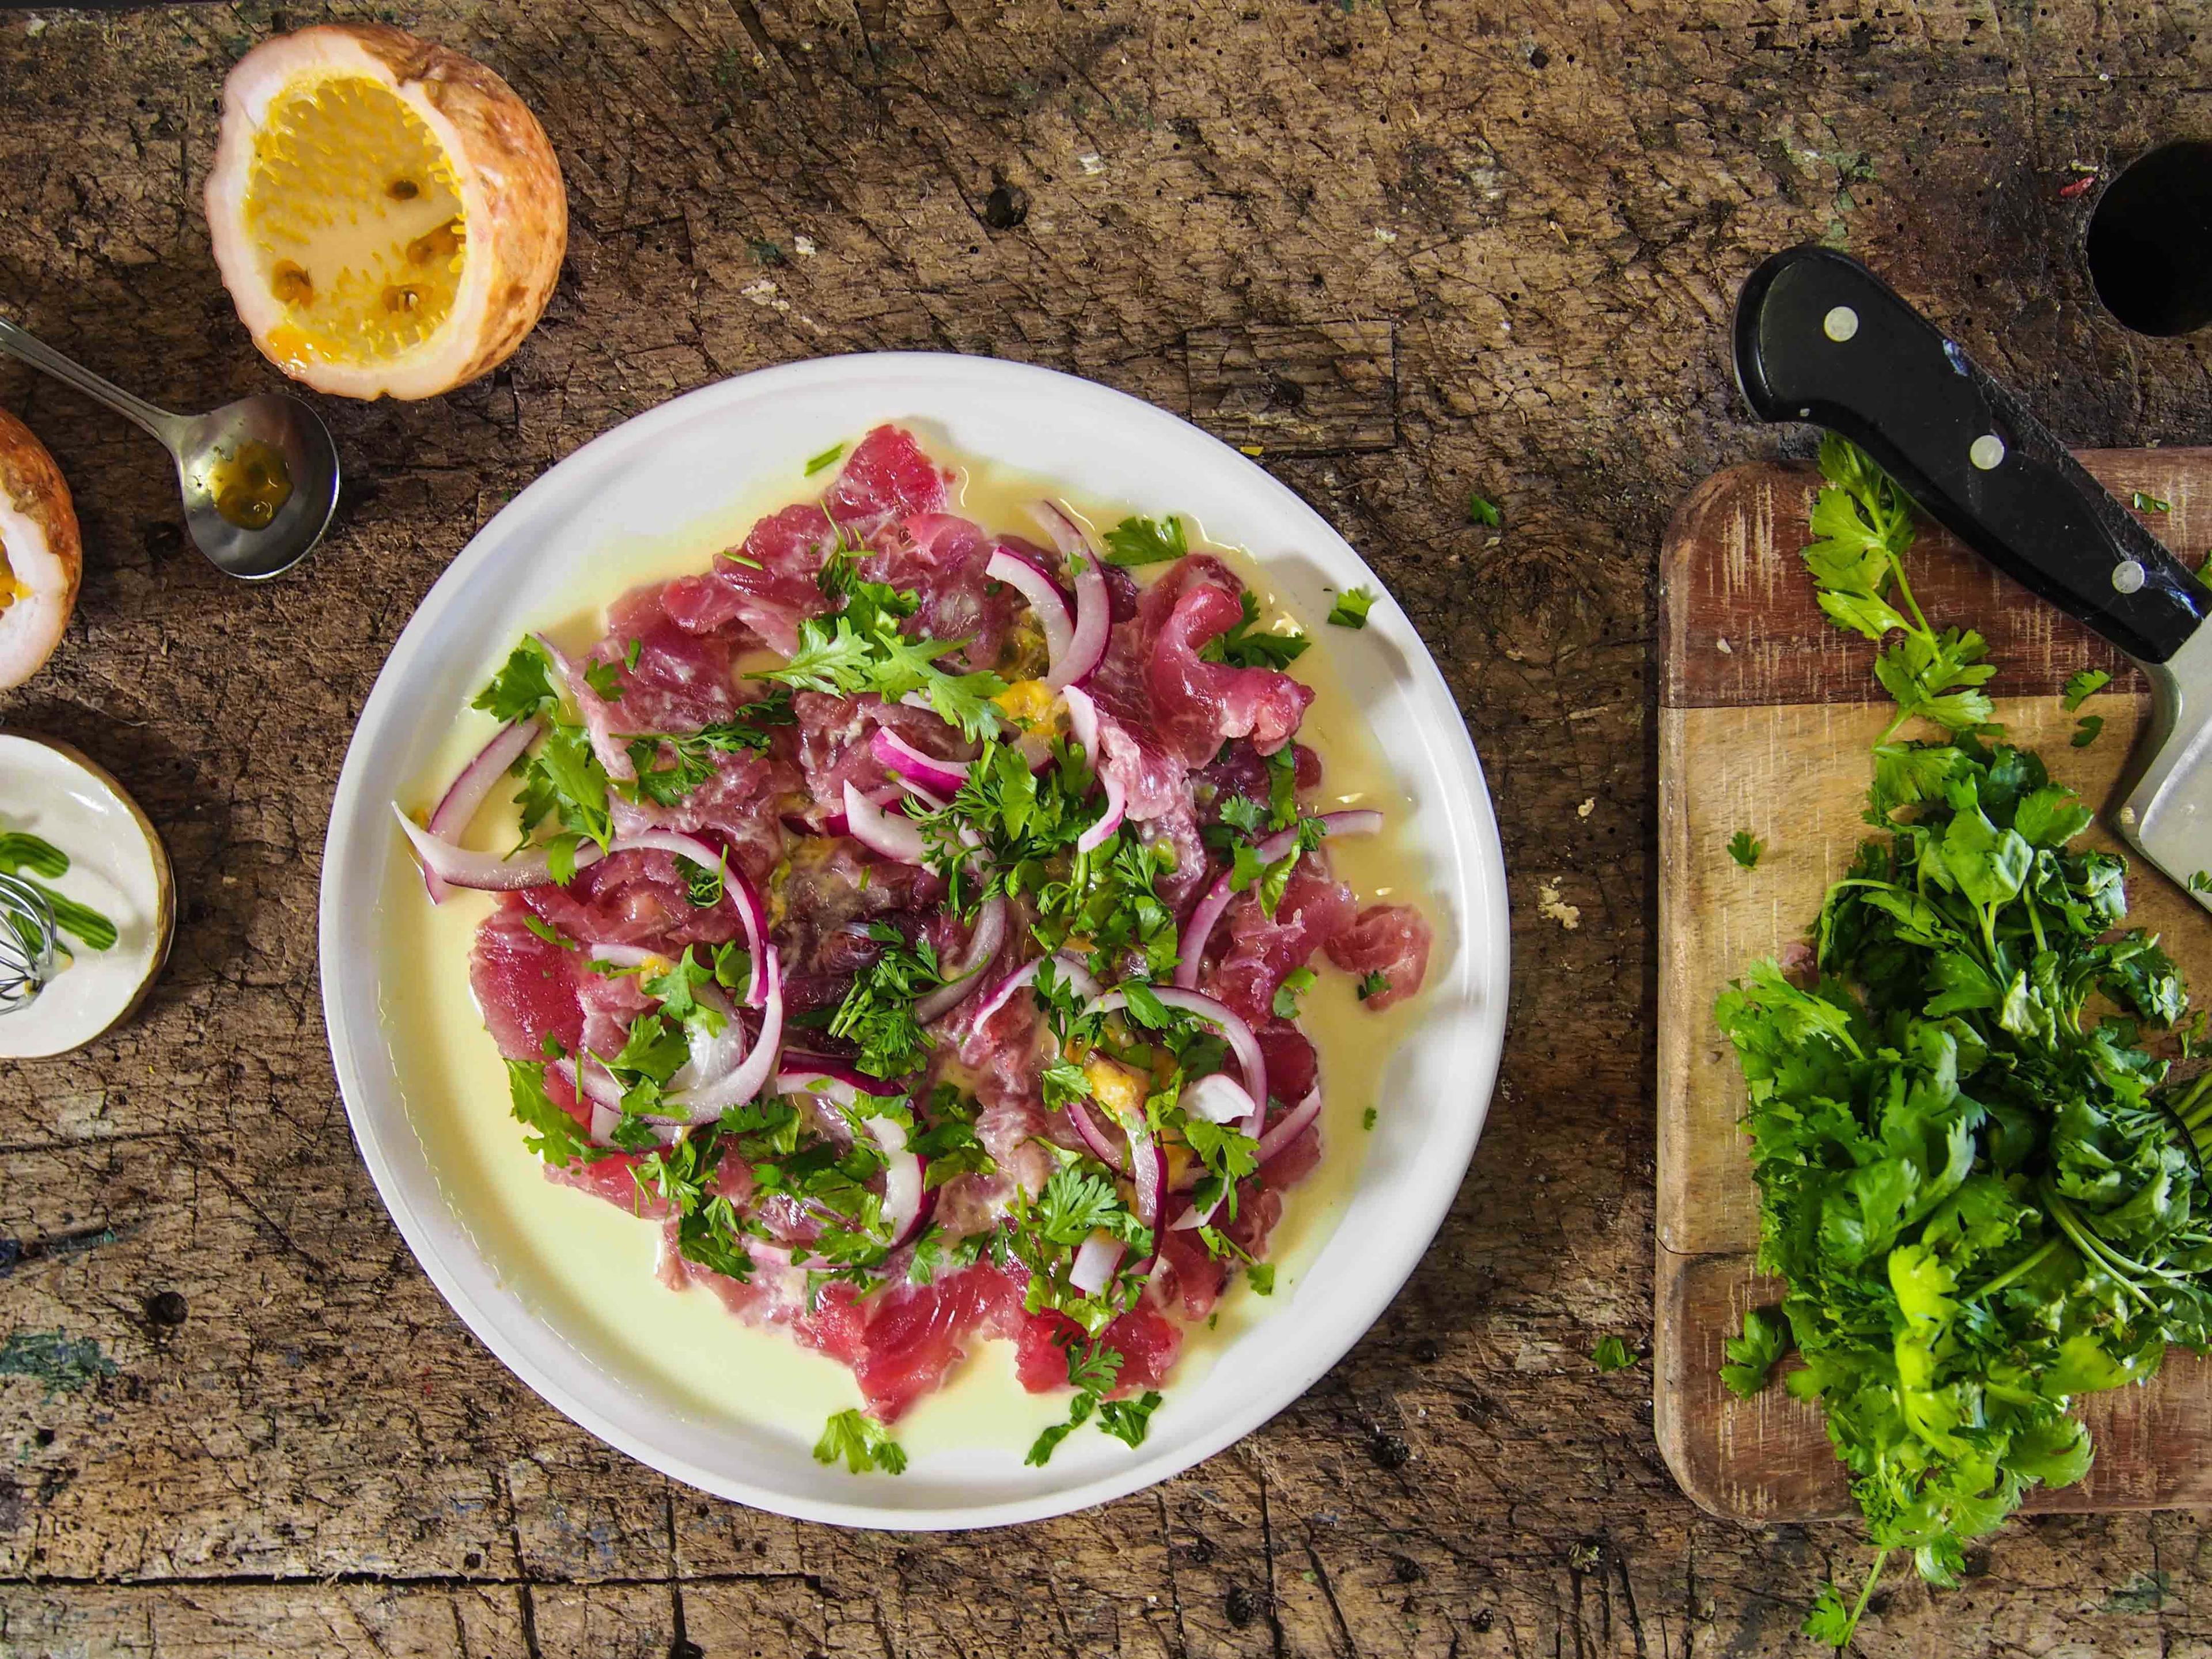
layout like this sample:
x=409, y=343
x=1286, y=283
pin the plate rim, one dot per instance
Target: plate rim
x=1488, y=942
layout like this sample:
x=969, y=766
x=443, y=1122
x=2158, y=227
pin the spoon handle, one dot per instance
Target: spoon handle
x=36, y=352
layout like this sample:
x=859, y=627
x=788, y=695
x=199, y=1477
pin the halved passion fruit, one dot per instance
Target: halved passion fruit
x=41, y=555
x=388, y=215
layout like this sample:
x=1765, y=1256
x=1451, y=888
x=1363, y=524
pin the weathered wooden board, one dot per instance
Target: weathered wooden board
x=1765, y=724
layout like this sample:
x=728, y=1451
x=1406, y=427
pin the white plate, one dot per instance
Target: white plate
x=691, y=458
x=117, y=866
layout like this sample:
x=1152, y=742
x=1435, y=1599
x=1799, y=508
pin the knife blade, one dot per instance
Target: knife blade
x=1819, y=338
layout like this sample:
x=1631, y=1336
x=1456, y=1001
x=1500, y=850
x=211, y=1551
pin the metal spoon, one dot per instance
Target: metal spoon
x=224, y=465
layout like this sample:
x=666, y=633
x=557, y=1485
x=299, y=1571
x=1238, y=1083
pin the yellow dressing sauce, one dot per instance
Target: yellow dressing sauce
x=589, y=1267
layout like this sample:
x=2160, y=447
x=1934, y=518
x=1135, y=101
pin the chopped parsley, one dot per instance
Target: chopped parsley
x=876, y=1015
x=828, y=458
x=523, y=686
x=1351, y=607
x=1480, y=511
x=1093, y=1371
x=605, y=681
x=547, y=932
x=1260, y=1275
x=2084, y=685
x=1745, y=847
x=860, y=649
x=553, y=1136
x=1243, y=644
x=1373, y=983
x=2087, y=730
x=1367, y=1118
x=859, y=1442
x=1611, y=1354
x=1296, y=984
x=2143, y=501
x=1145, y=541
x=692, y=754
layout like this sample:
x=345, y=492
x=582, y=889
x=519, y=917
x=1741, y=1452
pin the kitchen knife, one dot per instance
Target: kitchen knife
x=1819, y=338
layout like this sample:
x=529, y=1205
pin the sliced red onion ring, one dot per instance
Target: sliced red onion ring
x=485, y=871
x=968, y=978
x=909, y=762
x=1068, y=969
x=596, y=725
x=737, y=884
x=621, y=955
x=903, y=1185
x=1218, y=1098
x=1094, y=613
x=837, y=823
x=713, y=1056
x=1148, y=1163
x=711, y=1100
x=1100, y=1143
x=467, y=791
x=880, y=832
x=1364, y=822
x=1242, y=1043
x=1043, y=594
x=1082, y=722
x=1292, y=1125
x=597, y=1085
x=1096, y=1258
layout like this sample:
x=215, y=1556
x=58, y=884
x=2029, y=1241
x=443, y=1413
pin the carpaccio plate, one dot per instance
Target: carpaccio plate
x=684, y=463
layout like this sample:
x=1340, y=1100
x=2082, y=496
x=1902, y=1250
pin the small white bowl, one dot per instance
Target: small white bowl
x=116, y=866
x=667, y=472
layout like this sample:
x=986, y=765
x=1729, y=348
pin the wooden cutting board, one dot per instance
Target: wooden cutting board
x=1766, y=714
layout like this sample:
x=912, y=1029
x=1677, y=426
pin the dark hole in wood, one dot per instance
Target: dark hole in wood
x=2149, y=245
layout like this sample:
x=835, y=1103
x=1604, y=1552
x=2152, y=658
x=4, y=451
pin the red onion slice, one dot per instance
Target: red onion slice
x=1150, y=1164
x=621, y=955
x=1094, y=610
x=829, y=1077
x=1217, y=1099
x=597, y=1085
x=1096, y=1258
x=903, y=1185
x=880, y=832
x=466, y=795
x=1292, y=1125
x=1242, y=1043
x=1109, y=819
x=485, y=871
x=1043, y=594
x=1068, y=969
x=1100, y=1143
x=968, y=978
x=909, y=762
x=1082, y=722
x=714, y=1055
x=1363, y=822
x=710, y=1101
x=597, y=725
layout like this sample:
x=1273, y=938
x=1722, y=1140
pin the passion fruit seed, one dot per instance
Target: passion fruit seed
x=291, y=284
x=401, y=299
x=443, y=243
x=403, y=190
x=250, y=485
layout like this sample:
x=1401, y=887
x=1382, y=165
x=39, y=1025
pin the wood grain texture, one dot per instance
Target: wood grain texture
x=1549, y=206
x=1776, y=743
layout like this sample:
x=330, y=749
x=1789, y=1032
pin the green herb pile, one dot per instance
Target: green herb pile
x=1985, y=1195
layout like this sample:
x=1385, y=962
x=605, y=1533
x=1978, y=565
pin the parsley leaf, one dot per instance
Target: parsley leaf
x=1480, y=511
x=1242, y=646
x=555, y=1136
x=1128, y=1420
x=521, y=688
x=1296, y=983
x=1611, y=1354
x=1260, y=1275
x=1745, y=847
x=2083, y=685
x=1145, y=541
x=826, y=459
x=1373, y=983
x=877, y=1015
x=2087, y=730
x=862, y=1444
x=1752, y=1356
x=2143, y=501
x=605, y=681
x=1351, y=608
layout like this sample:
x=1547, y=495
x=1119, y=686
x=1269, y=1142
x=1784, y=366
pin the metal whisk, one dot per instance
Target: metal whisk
x=28, y=935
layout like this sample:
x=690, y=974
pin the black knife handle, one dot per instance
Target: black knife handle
x=1819, y=338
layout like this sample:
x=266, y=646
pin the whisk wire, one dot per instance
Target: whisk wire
x=27, y=940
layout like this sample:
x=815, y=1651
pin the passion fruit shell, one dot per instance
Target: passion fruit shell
x=41, y=553
x=386, y=213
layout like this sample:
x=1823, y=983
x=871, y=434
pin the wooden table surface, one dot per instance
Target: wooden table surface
x=1412, y=249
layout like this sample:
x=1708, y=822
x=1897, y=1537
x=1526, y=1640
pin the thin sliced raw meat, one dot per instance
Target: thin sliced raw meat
x=1389, y=940
x=1148, y=1341
x=916, y=1333
x=834, y=734
x=887, y=477
x=940, y=559
x=1260, y=951
x=1196, y=704
x=526, y=986
x=769, y=584
x=680, y=680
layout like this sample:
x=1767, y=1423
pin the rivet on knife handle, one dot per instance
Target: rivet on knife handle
x=1819, y=338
